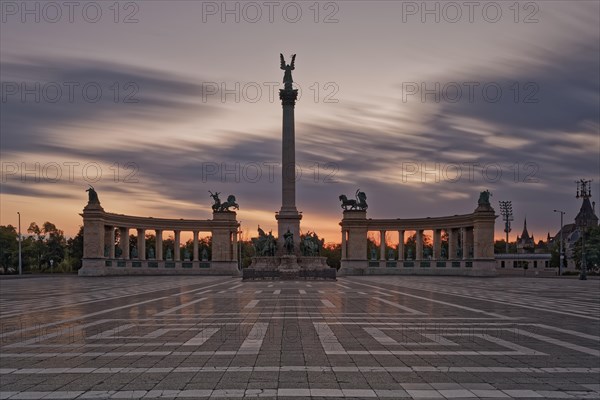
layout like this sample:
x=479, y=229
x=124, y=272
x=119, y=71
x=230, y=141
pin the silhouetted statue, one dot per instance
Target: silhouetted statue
x=150, y=253
x=373, y=254
x=287, y=76
x=350, y=204
x=215, y=197
x=484, y=198
x=204, y=254
x=92, y=196
x=288, y=242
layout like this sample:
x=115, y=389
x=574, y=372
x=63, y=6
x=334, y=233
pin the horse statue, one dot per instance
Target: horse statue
x=311, y=245
x=216, y=199
x=360, y=203
x=92, y=196
x=229, y=203
x=265, y=244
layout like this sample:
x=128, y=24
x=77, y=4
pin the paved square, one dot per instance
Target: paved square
x=362, y=337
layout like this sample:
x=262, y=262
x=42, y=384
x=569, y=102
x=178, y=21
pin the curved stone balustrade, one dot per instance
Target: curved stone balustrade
x=470, y=244
x=102, y=257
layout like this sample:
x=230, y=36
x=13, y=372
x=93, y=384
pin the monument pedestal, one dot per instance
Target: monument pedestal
x=289, y=262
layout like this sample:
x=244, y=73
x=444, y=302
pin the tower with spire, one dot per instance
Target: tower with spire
x=525, y=243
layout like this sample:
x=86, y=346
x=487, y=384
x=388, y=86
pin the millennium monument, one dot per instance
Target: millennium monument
x=460, y=245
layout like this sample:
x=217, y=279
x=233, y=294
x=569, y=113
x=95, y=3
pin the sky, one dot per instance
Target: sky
x=421, y=105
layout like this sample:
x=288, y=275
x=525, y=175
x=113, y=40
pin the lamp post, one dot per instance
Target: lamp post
x=561, y=245
x=507, y=216
x=20, y=257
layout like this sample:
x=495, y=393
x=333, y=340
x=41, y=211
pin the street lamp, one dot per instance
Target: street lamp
x=561, y=245
x=507, y=216
x=584, y=191
x=20, y=257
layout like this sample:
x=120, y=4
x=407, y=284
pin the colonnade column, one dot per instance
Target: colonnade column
x=159, y=249
x=195, y=240
x=381, y=245
x=111, y=248
x=401, y=245
x=419, y=245
x=124, y=242
x=234, y=246
x=177, y=246
x=141, y=243
x=463, y=238
x=437, y=244
x=107, y=241
x=344, y=233
x=452, y=237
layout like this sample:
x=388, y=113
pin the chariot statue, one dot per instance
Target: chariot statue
x=222, y=207
x=360, y=203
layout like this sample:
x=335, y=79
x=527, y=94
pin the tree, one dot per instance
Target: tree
x=592, y=249
x=38, y=248
x=55, y=242
x=9, y=248
x=500, y=247
x=75, y=250
x=333, y=252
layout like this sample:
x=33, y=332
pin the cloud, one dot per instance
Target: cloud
x=78, y=103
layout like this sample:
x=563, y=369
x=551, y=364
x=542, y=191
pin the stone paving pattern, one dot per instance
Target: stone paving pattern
x=397, y=337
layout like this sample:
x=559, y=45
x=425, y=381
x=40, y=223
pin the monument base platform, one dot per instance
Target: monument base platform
x=288, y=262
x=468, y=267
x=109, y=267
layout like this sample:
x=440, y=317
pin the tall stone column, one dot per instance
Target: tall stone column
x=111, y=248
x=141, y=243
x=437, y=244
x=195, y=240
x=159, y=240
x=419, y=245
x=401, y=245
x=176, y=246
x=288, y=217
